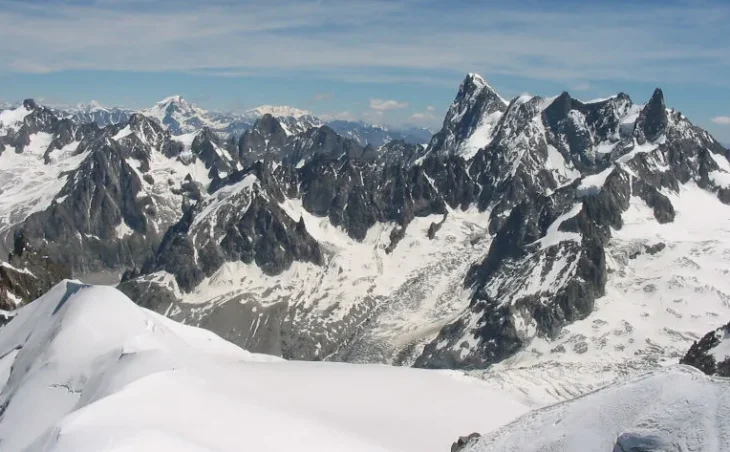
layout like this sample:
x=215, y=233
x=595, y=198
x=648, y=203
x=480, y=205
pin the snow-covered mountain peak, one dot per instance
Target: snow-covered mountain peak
x=471, y=120
x=475, y=83
x=278, y=111
x=476, y=78
x=91, y=106
x=181, y=116
x=172, y=104
x=174, y=99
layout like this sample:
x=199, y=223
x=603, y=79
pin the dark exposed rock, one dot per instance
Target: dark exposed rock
x=247, y=226
x=80, y=230
x=396, y=235
x=465, y=441
x=655, y=249
x=700, y=355
x=653, y=119
x=434, y=228
x=266, y=140
x=212, y=151
x=398, y=152
x=26, y=276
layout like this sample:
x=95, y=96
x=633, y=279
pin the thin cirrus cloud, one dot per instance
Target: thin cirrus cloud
x=426, y=117
x=385, y=105
x=653, y=41
x=321, y=97
x=342, y=116
x=722, y=120
x=582, y=86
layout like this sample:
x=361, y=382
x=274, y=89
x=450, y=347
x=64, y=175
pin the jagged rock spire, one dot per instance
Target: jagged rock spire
x=653, y=119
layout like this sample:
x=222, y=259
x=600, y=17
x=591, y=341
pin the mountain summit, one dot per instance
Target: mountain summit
x=471, y=120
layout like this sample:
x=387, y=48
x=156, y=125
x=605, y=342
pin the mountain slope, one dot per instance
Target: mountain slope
x=102, y=373
x=673, y=409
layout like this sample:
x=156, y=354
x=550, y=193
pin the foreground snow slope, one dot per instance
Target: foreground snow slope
x=83, y=368
x=674, y=409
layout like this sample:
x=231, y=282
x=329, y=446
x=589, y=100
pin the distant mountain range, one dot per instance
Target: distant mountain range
x=182, y=117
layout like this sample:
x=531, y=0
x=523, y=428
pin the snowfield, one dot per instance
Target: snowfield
x=675, y=409
x=85, y=369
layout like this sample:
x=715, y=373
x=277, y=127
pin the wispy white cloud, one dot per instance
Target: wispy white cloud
x=582, y=86
x=722, y=120
x=320, y=97
x=373, y=39
x=424, y=118
x=385, y=105
x=343, y=115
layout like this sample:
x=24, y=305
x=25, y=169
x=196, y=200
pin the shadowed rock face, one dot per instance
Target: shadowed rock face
x=653, y=119
x=26, y=276
x=702, y=353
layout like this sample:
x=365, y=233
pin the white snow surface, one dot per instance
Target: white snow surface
x=593, y=184
x=278, y=111
x=674, y=409
x=721, y=351
x=480, y=137
x=85, y=369
x=12, y=118
x=553, y=236
x=27, y=184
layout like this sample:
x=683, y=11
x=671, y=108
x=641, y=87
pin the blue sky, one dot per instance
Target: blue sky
x=392, y=61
